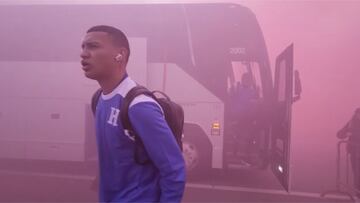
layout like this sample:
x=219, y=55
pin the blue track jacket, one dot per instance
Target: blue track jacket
x=121, y=178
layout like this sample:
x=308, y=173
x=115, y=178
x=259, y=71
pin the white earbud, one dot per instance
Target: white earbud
x=118, y=57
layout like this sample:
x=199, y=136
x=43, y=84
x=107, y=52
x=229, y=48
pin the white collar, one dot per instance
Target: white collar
x=123, y=88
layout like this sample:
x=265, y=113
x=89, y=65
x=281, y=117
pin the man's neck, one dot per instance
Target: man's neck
x=110, y=84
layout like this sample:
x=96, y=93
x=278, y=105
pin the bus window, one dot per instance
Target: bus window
x=282, y=86
x=239, y=69
x=257, y=78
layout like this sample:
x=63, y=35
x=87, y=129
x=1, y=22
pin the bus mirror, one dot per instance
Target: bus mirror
x=297, y=86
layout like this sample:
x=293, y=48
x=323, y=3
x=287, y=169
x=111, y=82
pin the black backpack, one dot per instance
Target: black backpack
x=173, y=112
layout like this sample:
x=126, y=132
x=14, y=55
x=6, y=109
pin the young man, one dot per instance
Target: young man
x=105, y=53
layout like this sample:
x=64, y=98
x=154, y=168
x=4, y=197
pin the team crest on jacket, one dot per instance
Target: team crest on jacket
x=113, y=120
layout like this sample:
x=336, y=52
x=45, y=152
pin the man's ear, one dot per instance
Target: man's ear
x=119, y=57
x=124, y=52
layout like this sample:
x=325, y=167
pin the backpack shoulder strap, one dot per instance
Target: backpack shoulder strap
x=125, y=120
x=162, y=94
x=95, y=99
x=124, y=109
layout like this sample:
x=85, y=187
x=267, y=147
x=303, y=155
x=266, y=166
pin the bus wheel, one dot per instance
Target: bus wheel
x=196, y=152
x=191, y=156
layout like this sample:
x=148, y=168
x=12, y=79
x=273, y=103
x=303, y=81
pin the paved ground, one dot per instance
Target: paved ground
x=60, y=182
x=34, y=187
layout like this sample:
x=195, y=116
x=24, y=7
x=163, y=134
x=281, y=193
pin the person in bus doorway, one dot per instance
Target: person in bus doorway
x=246, y=95
x=352, y=131
x=104, y=57
x=246, y=98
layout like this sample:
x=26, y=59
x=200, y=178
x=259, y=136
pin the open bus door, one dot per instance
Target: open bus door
x=281, y=126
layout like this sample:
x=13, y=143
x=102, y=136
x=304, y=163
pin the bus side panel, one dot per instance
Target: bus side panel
x=201, y=107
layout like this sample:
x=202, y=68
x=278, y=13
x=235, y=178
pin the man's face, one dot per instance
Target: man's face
x=98, y=55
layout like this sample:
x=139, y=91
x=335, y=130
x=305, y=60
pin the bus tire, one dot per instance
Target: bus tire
x=197, y=152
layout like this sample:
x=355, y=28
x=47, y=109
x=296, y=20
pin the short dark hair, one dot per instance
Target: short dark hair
x=119, y=38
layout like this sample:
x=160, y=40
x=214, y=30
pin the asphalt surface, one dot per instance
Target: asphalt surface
x=25, y=182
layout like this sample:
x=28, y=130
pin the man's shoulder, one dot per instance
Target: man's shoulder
x=142, y=98
x=145, y=101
